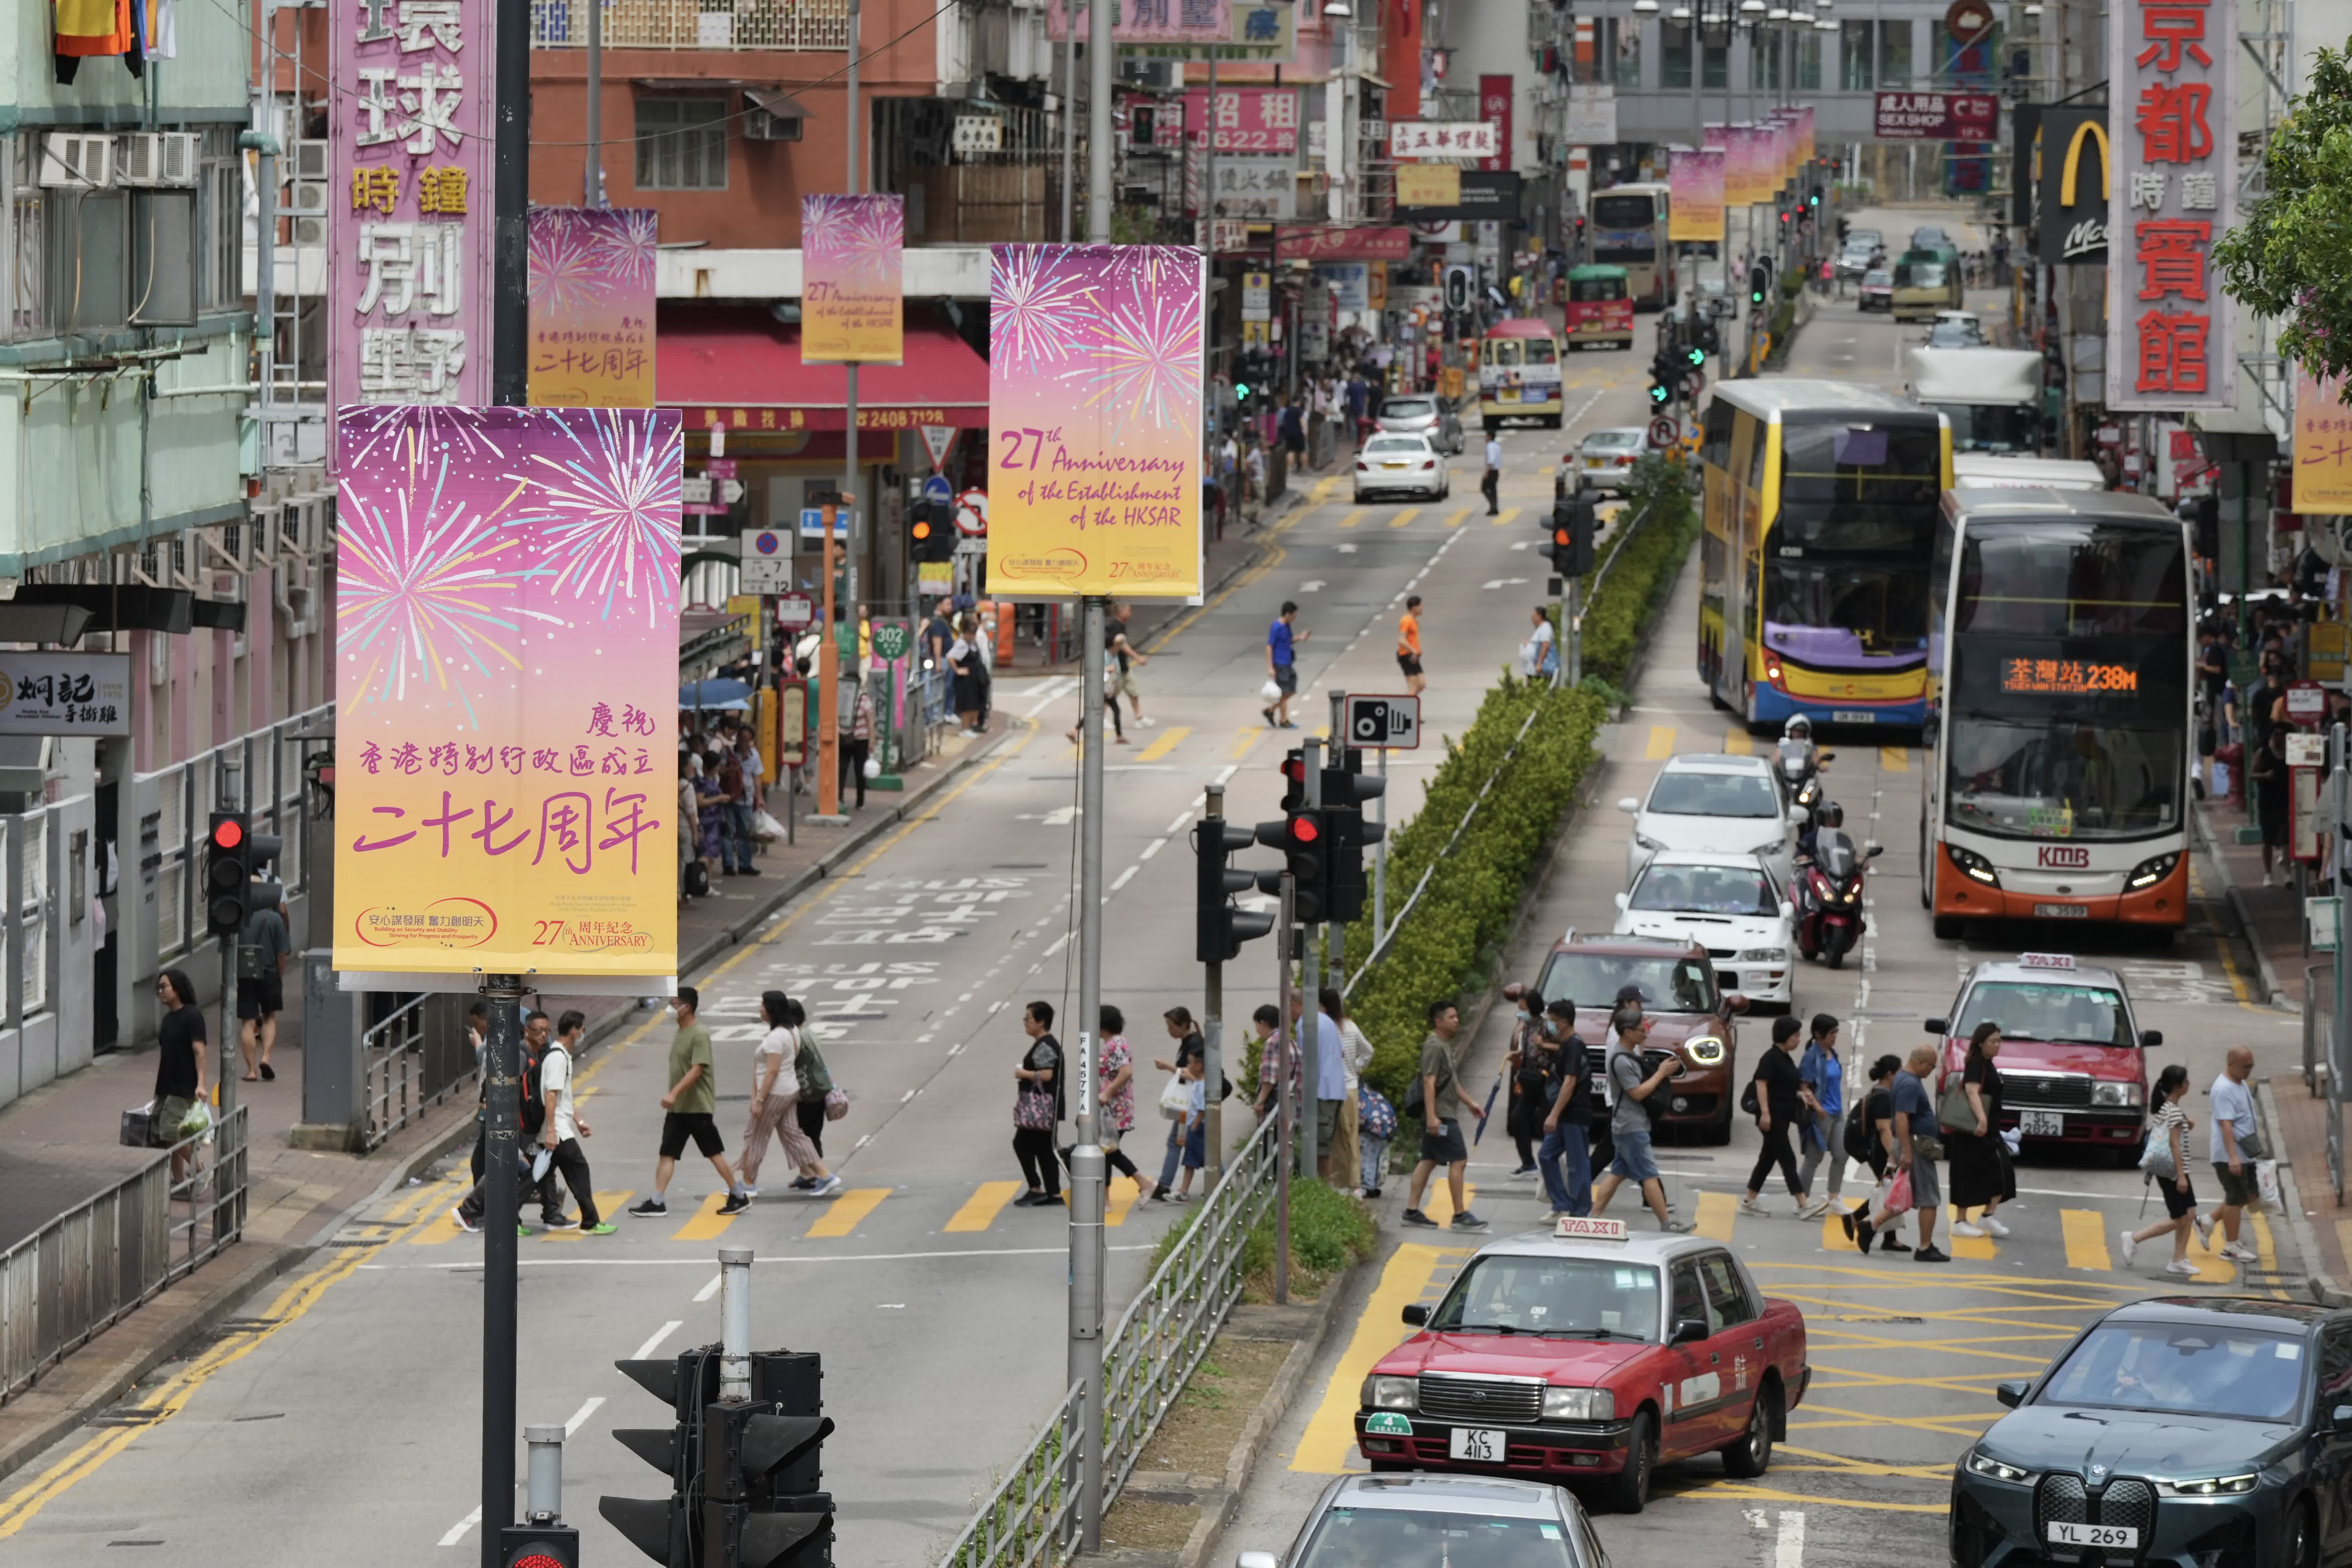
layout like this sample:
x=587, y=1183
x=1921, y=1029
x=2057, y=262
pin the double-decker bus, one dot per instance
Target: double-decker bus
x=1519, y=373
x=1629, y=230
x=2059, y=788
x=1820, y=507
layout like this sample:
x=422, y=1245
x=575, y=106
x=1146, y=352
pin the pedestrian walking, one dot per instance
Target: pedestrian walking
x=1825, y=1080
x=561, y=1127
x=734, y=813
x=1254, y=465
x=1376, y=1124
x=693, y=876
x=854, y=726
x=2233, y=1147
x=1776, y=1097
x=261, y=997
x=818, y=1101
x=530, y=1119
x=1869, y=1141
x=1490, y=482
x=180, y=1066
x=2166, y=1164
x=1981, y=1174
x=1327, y=1072
x=688, y=1111
x=1268, y=1025
x=1282, y=640
x=1037, y=1107
x=963, y=661
x=1630, y=1089
x=1918, y=1144
x=1527, y=1068
x=1409, y=647
x=2267, y=771
x=1189, y=1046
x=775, y=1106
x=1539, y=655
x=1195, y=1124
x=710, y=797
x=1440, y=1104
x=1115, y=1074
x=1343, y=1163
x=1565, y=1156
x=1130, y=660
x=1109, y=697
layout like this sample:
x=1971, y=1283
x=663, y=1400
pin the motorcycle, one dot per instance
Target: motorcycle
x=1801, y=766
x=1829, y=903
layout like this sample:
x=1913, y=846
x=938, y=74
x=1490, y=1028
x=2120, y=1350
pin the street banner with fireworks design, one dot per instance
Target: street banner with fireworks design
x=853, y=302
x=506, y=635
x=1094, y=406
x=592, y=307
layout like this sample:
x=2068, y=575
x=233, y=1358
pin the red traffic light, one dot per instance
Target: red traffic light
x=227, y=834
x=1304, y=830
x=1295, y=768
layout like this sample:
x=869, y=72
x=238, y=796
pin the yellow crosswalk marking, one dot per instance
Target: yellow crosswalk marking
x=1508, y=516
x=1438, y=1203
x=1738, y=743
x=708, y=1222
x=2212, y=1268
x=847, y=1209
x=1399, y=521
x=1352, y=519
x=1330, y=1435
x=1169, y=740
x=2086, y=1231
x=1979, y=1248
x=1716, y=1212
x=1460, y=516
x=981, y=1209
x=1243, y=739
x=1117, y=1198
x=440, y=1230
x=607, y=1205
x=1895, y=759
x=1662, y=743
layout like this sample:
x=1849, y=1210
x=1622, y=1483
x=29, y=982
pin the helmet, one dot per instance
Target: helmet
x=1798, y=728
x=1832, y=814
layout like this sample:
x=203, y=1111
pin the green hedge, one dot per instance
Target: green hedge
x=1444, y=949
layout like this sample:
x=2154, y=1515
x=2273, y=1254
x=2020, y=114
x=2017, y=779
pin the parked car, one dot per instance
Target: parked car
x=1426, y=414
x=1690, y=1015
x=1603, y=460
x=1714, y=800
x=1877, y=291
x=1730, y=905
x=1588, y=1354
x=2176, y=1431
x=2074, y=1059
x=1408, y=464
x=1465, y=1521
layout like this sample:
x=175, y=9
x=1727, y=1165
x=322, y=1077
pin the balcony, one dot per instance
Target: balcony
x=704, y=25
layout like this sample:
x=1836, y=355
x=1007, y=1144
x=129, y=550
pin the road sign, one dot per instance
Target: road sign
x=937, y=440
x=719, y=467
x=2306, y=702
x=1389, y=723
x=767, y=562
x=891, y=640
x=795, y=609
x=1662, y=431
x=812, y=523
x=937, y=490
x=694, y=488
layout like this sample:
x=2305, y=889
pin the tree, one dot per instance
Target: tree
x=2285, y=258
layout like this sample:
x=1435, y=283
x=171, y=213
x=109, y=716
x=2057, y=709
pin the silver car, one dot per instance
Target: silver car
x=1425, y=414
x=1467, y=1521
x=1605, y=461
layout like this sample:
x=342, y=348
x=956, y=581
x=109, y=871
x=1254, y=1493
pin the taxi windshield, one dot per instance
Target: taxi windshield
x=1574, y=1297
x=2036, y=1010
x=1424, y=1538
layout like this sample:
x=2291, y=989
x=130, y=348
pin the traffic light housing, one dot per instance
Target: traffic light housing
x=1458, y=288
x=731, y=1475
x=1304, y=837
x=1573, y=524
x=1219, y=928
x=1760, y=283
x=1346, y=788
x=225, y=873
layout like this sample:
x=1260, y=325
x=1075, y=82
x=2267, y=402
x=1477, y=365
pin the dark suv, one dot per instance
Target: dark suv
x=1690, y=1017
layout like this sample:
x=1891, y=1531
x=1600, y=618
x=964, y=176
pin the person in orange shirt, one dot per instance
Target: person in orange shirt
x=1409, y=647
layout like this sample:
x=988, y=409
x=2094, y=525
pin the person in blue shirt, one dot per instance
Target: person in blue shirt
x=1281, y=665
x=1820, y=1071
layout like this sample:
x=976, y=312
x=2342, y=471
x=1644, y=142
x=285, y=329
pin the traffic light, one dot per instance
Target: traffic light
x=1572, y=522
x=1841, y=228
x=1784, y=217
x=1346, y=788
x=1219, y=928
x=226, y=874
x=1813, y=197
x=1457, y=289
x=752, y=1454
x=663, y=1528
x=930, y=531
x=1304, y=837
x=1760, y=283
x=1694, y=356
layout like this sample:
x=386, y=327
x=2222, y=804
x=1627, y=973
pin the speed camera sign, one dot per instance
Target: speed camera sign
x=1391, y=723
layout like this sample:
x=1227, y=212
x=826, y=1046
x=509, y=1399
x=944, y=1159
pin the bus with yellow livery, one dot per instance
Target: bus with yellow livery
x=1821, y=510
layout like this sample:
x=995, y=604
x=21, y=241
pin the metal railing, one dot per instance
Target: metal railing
x=183, y=797
x=1031, y=1520
x=694, y=24
x=85, y=1269
x=391, y=1057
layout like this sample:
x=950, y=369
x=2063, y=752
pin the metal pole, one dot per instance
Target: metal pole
x=594, y=178
x=849, y=426
x=2339, y=1054
x=1278, y=1050
x=1308, y=985
x=734, y=1322
x=1098, y=64
x=828, y=684
x=1339, y=929
x=1380, y=854
x=502, y=1117
x=1087, y=1163
x=1209, y=179
x=265, y=273
x=230, y=788
x=543, y=1474
x=510, y=286
x=1212, y=1032
x=1573, y=630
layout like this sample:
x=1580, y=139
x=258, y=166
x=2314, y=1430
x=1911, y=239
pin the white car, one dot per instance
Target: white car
x=1728, y=904
x=1603, y=460
x=1395, y=462
x=1731, y=805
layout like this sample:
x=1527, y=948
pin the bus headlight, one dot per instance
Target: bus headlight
x=2149, y=872
x=1973, y=866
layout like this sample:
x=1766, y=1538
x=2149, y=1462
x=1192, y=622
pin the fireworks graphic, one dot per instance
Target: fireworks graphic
x=606, y=505
x=1040, y=306
x=860, y=238
x=1147, y=360
x=426, y=580
x=624, y=242
x=567, y=273
x=364, y=430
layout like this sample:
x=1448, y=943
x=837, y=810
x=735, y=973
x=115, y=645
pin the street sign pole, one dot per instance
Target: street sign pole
x=1309, y=990
x=1213, y=1034
x=1339, y=928
x=1277, y=1052
x=1380, y=855
x=828, y=694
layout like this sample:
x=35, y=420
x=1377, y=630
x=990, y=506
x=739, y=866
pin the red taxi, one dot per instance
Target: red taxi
x=1586, y=1354
x=2074, y=1063
x=1599, y=311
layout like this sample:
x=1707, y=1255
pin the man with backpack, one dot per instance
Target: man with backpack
x=1629, y=1122
x=468, y=1212
x=1565, y=1157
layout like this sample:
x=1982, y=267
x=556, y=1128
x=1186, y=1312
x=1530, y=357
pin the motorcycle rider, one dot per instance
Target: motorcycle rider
x=1830, y=815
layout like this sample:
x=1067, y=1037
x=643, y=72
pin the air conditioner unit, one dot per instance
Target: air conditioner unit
x=311, y=158
x=72, y=161
x=761, y=125
x=158, y=658
x=158, y=158
x=225, y=547
x=261, y=536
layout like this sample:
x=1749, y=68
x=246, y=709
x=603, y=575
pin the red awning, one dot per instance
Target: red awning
x=728, y=365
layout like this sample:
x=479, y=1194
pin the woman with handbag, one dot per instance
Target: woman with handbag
x=1970, y=1114
x=1175, y=1097
x=2166, y=1164
x=775, y=1103
x=1779, y=1099
x=820, y=1099
x=1037, y=1107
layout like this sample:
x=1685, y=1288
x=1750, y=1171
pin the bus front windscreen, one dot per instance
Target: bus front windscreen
x=1622, y=212
x=1857, y=515
x=1992, y=426
x=2069, y=687
x=1625, y=230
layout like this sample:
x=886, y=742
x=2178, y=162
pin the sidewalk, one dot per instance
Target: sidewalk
x=60, y=1140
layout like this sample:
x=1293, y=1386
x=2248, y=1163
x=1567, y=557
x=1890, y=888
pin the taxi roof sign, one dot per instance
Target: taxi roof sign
x=1575, y=1228
x=2045, y=959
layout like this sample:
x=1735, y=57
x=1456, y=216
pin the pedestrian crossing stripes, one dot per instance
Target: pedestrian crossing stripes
x=843, y=1213
x=1168, y=742
x=1404, y=517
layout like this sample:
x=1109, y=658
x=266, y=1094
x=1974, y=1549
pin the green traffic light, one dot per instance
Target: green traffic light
x=1697, y=356
x=1240, y=390
x=1658, y=395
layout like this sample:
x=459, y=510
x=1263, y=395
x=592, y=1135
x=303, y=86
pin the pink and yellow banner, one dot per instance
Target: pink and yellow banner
x=2323, y=446
x=853, y=293
x=1694, y=192
x=1742, y=179
x=592, y=307
x=506, y=630
x=1094, y=404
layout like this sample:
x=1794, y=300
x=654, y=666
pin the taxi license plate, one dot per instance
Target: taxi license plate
x=1480, y=1444
x=2042, y=1123
x=2063, y=1533
x=1509, y=394
x=2062, y=912
x=1852, y=716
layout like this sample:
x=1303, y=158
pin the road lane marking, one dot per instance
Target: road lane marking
x=707, y=1223
x=1460, y=516
x=1508, y=516
x=607, y=1205
x=1407, y=515
x=580, y=1416
x=1124, y=877
x=1117, y=1198
x=981, y=1209
x=1330, y=1435
x=458, y=1531
x=1662, y=743
x=1974, y=1248
x=1169, y=740
x=1738, y=743
x=1352, y=519
x=1717, y=1211
x=848, y=1209
x=2086, y=1231
x=1438, y=1202
x=709, y=1289
x=1243, y=739
x=1895, y=759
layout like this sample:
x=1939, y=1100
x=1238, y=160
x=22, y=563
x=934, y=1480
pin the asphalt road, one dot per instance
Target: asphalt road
x=1905, y=1354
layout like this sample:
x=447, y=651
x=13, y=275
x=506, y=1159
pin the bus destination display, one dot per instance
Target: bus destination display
x=2065, y=677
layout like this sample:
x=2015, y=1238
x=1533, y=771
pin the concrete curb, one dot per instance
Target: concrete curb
x=2316, y=1283
x=2274, y=992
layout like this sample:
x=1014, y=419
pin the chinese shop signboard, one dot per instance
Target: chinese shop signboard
x=2172, y=135
x=506, y=637
x=409, y=248
x=1248, y=119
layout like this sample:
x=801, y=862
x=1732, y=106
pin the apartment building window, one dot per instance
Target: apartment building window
x=1857, y=47
x=1714, y=66
x=1894, y=52
x=1625, y=53
x=1673, y=54
x=682, y=143
x=28, y=280
x=1764, y=60
x=1809, y=60
x=220, y=191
